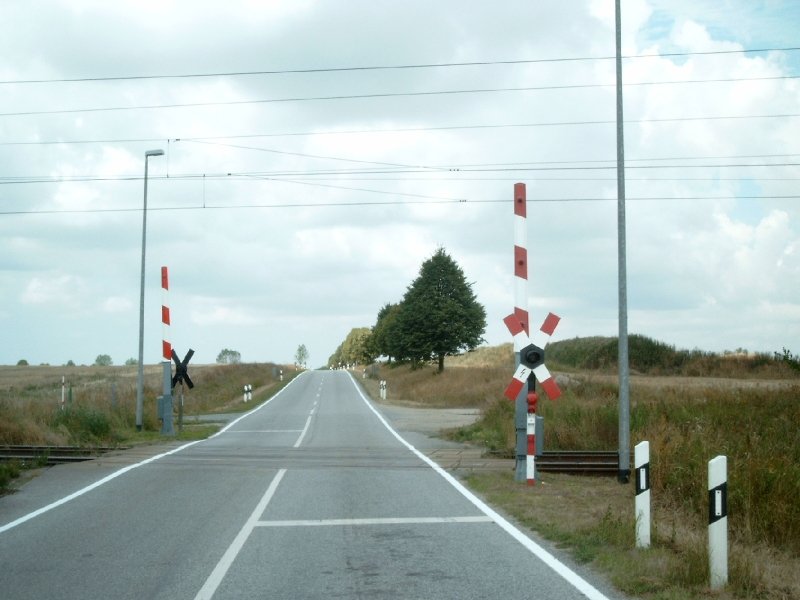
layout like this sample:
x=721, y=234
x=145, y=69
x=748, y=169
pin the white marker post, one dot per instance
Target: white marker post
x=641, y=460
x=718, y=521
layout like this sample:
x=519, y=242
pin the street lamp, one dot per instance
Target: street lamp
x=140, y=378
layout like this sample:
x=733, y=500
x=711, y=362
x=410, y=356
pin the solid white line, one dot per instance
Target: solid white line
x=213, y=581
x=90, y=487
x=578, y=582
x=377, y=521
x=124, y=470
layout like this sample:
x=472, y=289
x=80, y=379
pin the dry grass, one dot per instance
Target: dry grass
x=688, y=421
x=454, y=387
x=102, y=409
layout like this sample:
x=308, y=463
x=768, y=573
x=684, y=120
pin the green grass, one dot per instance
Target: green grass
x=8, y=472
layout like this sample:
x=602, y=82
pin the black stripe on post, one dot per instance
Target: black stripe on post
x=642, y=478
x=718, y=503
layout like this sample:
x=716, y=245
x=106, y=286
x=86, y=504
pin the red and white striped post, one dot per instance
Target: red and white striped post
x=529, y=354
x=166, y=345
x=521, y=416
x=521, y=255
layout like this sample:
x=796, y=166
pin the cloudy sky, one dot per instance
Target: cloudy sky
x=317, y=152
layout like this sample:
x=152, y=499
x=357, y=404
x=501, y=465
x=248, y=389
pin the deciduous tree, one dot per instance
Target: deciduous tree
x=439, y=314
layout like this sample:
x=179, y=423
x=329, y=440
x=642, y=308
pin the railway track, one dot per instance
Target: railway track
x=593, y=462
x=52, y=455
x=578, y=462
x=597, y=462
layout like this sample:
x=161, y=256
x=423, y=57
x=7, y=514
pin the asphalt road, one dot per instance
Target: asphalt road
x=312, y=495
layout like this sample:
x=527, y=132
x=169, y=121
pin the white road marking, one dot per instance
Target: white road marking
x=378, y=521
x=124, y=470
x=305, y=429
x=266, y=431
x=213, y=581
x=90, y=487
x=578, y=582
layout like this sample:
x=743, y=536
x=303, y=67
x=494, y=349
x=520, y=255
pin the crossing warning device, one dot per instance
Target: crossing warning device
x=181, y=374
x=531, y=356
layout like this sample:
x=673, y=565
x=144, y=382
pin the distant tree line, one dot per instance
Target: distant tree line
x=438, y=316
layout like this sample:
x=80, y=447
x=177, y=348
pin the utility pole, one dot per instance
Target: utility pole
x=140, y=374
x=624, y=395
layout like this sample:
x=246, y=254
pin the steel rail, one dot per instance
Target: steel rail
x=52, y=455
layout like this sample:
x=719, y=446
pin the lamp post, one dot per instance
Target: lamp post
x=140, y=378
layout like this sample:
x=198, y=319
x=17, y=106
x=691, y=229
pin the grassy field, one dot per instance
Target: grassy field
x=689, y=408
x=749, y=412
x=100, y=408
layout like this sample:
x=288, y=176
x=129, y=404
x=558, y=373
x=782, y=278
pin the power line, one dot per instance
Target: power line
x=431, y=201
x=387, y=67
x=385, y=130
x=373, y=96
x=304, y=155
x=475, y=168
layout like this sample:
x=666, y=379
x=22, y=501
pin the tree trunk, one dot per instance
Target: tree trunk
x=441, y=363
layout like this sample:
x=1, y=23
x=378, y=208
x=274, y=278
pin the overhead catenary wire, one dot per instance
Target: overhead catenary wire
x=395, y=130
x=312, y=70
x=431, y=201
x=477, y=168
x=364, y=96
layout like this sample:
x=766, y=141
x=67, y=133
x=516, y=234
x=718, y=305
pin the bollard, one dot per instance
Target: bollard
x=718, y=522
x=641, y=460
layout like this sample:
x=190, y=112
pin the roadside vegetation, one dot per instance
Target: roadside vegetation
x=99, y=408
x=690, y=406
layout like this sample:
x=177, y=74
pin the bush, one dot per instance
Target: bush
x=84, y=424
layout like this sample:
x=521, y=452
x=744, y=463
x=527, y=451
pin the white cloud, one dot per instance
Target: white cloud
x=57, y=290
x=117, y=304
x=210, y=312
x=264, y=280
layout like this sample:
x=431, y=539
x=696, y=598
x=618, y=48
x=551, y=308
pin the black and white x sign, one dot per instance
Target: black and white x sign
x=180, y=368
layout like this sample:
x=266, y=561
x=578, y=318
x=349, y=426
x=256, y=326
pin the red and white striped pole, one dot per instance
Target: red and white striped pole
x=529, y=349
x=521, y=255
x=166, y=345
x=521, y=416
